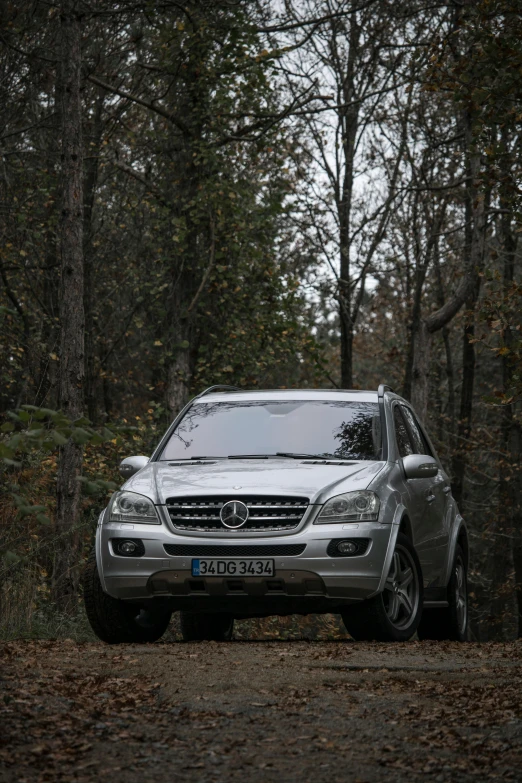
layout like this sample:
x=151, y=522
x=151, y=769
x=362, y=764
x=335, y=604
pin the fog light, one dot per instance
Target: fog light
x=346, y=547
x=128, y=547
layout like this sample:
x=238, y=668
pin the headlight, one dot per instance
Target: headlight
x=351, y=507
x=131, y=507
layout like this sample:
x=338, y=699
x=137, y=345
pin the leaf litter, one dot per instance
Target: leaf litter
x=262, y=711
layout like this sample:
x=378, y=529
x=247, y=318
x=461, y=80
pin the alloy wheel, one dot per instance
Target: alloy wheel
x=401, y=590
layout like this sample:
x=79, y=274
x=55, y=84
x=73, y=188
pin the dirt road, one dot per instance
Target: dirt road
x=260, y=711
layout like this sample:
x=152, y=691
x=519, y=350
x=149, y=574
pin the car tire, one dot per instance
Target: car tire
x=451, y=622
x=204, y=626
x=115, y=621
x=394, y=614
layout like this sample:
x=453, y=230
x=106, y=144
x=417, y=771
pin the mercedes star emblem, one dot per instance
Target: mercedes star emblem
x=234, y=514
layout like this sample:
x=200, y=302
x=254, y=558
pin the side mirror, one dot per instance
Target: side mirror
x=130, y=465
x=419, y=466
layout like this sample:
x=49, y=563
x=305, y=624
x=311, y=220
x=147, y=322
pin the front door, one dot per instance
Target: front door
x=419, y=502
x=435, y=496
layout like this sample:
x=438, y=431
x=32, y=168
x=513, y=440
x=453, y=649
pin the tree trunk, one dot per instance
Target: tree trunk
x=505, y=529
x=472, y=268
x=466, y=398
x=451, y=380
x=421, y=369
x=517, y=551
x=349, y=120
x=72, y=325
x=180, y=321
x=506, y=544
x=91, y=181
x=462, y=432
x=47, y=386
x=415, y=366
x=450, y=375
x=416, y=375
x=511, y=486
x=179, y=374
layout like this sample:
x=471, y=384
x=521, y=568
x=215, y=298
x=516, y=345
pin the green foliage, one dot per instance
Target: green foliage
x=33, y=429
x=190, y=252
x=34, y=433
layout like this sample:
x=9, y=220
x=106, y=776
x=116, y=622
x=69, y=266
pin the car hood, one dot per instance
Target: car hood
x=318, y=482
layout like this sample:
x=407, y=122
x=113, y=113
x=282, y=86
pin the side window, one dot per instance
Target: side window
x=427, y=447
x=419, y=441
x=401, y=433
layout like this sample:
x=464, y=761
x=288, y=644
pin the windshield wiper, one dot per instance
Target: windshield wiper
x=206, y=457
x=294, y=455
x=187, y=459
x=290, y=454
x=250, y=456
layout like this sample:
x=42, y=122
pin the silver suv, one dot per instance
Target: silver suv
x=259, y=503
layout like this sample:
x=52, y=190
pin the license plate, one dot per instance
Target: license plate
x=208, y=567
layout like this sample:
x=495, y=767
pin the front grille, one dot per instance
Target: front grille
x=210, y=550
x=265, y=513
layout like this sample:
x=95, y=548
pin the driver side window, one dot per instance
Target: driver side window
x=401, y=433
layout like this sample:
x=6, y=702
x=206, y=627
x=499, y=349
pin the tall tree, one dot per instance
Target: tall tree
x=453, y=48
x=72, y=323
x=205, y=147
x=472, y=267
x=356, y=60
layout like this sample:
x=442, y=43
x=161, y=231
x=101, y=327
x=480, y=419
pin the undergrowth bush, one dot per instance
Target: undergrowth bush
x=28, y=466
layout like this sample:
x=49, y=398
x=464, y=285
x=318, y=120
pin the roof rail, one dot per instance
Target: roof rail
x=384, y=388
x=218, y=386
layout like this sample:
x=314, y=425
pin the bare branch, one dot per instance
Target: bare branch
x=151, y=105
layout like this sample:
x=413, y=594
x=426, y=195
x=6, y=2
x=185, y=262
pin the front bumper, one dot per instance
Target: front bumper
x=310, y=582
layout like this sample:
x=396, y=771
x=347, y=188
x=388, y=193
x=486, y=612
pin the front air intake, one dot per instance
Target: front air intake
x=234, y=550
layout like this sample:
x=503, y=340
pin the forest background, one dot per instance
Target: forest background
x=320, y=193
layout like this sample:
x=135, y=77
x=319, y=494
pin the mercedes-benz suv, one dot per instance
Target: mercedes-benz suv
x=259, y=503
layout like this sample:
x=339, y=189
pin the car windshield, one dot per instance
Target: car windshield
x=318, y=428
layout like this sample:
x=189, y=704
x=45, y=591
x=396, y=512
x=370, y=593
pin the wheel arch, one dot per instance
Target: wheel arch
x=401, y=524
x=98, y=552
x=463, y=542
x=406, y=526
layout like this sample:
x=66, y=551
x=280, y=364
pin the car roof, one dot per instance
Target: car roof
x=266, y=395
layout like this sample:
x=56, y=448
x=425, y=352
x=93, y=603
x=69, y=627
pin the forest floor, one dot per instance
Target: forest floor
x=260, y=711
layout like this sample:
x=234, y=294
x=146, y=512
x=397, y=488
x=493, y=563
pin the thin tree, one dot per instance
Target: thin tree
x=351, y=190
